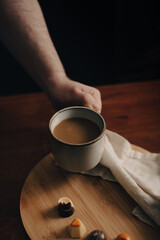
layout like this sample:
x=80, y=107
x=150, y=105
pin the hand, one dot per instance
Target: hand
x=66, y=92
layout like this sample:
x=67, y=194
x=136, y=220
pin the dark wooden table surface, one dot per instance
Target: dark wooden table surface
x=132, y=110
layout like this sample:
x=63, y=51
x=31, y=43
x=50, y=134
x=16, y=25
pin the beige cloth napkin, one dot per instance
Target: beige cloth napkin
x=138, y=173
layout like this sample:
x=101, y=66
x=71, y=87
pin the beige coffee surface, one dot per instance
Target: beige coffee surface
x=98, y=204
x=76, y=131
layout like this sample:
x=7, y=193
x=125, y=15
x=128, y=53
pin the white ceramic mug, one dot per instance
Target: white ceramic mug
x=77, y=157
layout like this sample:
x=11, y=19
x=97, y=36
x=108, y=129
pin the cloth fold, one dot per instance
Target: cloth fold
x=137, y=172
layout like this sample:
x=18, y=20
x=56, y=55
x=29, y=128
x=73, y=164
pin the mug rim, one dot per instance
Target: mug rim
x=78, y=144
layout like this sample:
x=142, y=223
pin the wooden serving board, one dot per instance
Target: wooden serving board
x=99, y=204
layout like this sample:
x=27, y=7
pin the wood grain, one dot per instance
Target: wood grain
x=132, y=110
x=99, y=204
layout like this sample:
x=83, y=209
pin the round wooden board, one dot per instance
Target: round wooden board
x=99, y=204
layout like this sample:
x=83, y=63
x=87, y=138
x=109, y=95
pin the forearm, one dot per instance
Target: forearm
x=24, y=32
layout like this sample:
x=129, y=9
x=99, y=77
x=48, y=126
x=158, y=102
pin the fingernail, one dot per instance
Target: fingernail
x=88, y=105
x=94, y=106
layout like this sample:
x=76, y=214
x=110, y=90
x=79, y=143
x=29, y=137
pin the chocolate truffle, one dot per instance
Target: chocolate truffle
x=65, y=207
x=124, y=236
x=77, y=229
x=97, y=235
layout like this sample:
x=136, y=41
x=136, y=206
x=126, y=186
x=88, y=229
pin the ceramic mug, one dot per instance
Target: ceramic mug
x=77, y=157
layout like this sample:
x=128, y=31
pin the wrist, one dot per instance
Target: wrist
x=53, y=83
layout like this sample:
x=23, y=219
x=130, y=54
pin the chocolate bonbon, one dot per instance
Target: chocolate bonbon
x=97, y=235
x=77, y=229
x=65, y=207
x=124, y=236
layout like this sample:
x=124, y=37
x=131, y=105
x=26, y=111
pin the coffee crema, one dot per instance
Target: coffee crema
x=76, y=131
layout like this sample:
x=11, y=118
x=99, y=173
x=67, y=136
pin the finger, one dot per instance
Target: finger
x=98, y=102
x=94, y=107
x=88, y=99
x=91, y=103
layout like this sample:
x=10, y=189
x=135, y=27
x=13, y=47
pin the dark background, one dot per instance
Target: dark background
x=98, y=43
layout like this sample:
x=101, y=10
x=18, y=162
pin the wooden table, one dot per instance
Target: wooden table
x=132, y=110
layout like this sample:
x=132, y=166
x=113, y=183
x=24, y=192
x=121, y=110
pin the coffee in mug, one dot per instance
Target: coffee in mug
x=77, y=138
x=76, y=130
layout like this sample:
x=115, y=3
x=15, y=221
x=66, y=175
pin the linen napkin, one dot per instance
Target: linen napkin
x=138, y=173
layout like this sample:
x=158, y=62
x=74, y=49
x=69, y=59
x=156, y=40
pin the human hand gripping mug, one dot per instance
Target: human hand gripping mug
x=77, y=138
